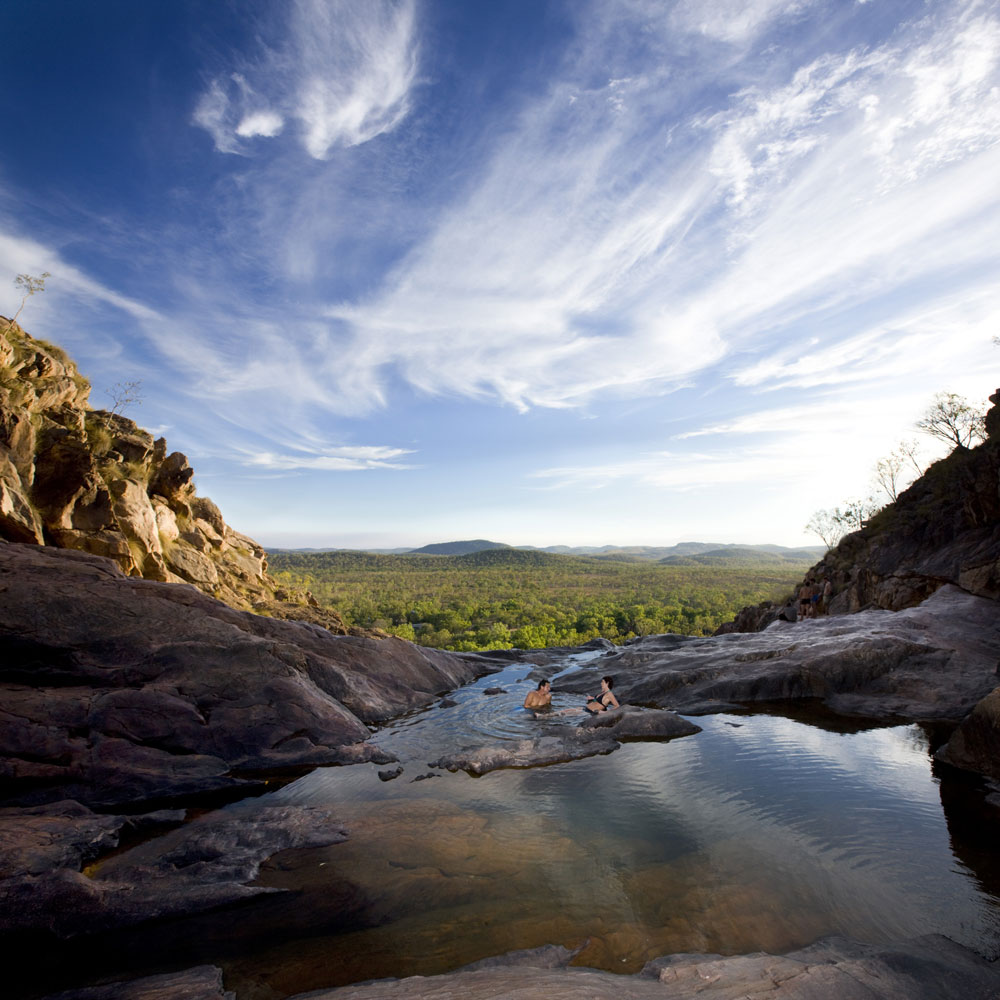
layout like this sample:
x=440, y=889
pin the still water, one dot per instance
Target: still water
x=759, y=833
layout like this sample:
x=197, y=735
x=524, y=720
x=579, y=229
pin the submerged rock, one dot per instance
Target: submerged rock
x=204, y=982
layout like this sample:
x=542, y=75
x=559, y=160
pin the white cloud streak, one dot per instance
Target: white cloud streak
x=344, y=74
x=345, y=459
x=603, y=251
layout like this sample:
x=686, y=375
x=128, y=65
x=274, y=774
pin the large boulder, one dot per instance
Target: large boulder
x=975, y=745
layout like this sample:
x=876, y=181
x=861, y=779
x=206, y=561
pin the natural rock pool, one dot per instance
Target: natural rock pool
x=758, y=833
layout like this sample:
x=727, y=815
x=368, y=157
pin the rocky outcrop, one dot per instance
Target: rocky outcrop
x=600, y=734
x=935, y=661
x=94, y=481
x=115, y=689
x=944, y=529
x=201, y=864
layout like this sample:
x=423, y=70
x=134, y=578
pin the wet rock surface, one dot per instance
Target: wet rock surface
x=928, y=968
x=526, y=753
x=205, y=863
x=934, y=661
x=600, y=734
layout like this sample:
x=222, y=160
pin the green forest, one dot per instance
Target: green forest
x=511, y=598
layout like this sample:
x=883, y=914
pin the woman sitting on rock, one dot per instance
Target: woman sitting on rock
x=606, y=699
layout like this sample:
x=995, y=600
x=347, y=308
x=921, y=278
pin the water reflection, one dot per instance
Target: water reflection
x=760, y=833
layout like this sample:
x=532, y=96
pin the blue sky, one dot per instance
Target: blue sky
x=620, y=272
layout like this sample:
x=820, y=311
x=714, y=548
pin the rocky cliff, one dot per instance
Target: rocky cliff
x=92, y=480
x=944, y=529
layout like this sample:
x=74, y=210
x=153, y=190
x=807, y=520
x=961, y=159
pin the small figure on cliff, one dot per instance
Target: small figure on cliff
x=806, y=608
x=827, y=594
x=541, y=697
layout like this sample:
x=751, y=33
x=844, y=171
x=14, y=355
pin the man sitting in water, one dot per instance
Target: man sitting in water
x=541, y=697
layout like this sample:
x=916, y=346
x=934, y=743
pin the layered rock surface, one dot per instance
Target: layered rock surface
x=115, y=689
x=94, y=481
x=934, y=661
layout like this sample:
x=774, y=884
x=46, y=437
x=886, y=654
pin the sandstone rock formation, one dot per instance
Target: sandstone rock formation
x=944, y=529
x=116, y=689
x=92, y=480
x=600, y=734
x=934, y=661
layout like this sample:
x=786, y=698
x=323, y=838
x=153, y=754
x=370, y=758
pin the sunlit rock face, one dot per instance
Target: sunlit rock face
x=92, y=480
x=933, y=661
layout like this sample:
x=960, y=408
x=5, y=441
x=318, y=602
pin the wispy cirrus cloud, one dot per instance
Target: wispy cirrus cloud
x=609, y=248
x=342, y=76
x=345, y=459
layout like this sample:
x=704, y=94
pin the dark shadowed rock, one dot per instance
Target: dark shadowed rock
x=58, y=835
x=203, y=864
x=203, y=982
x=975, y=745
x=115, y=689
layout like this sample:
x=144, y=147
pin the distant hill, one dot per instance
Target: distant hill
x=665, y=553
x=743, y=555
x=507, y=556
x=717, y=553
x=457, y=548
